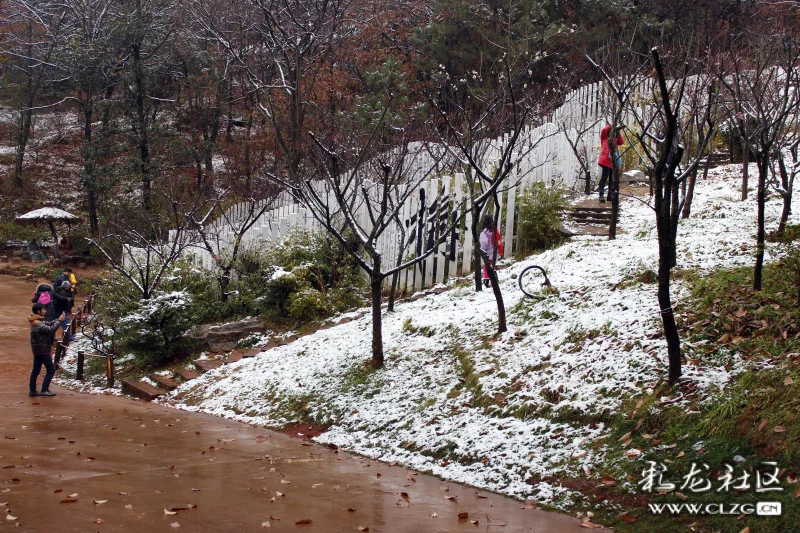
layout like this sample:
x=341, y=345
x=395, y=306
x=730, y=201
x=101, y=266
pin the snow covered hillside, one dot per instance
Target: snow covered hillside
x=504, y=413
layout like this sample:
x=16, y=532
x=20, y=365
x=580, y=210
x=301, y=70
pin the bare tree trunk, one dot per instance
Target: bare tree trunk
x=787, y=186
x=763, y=169
x=613, y=186
x=745, y=163
x=26, y=115
x=393, y=291
x=498, y=295
x=377, y=326
x=22, y=143
x=588, y=188
x=144, y=149
x=687, y=206
x=88, y=166
x=666, y=252
x=668, y=317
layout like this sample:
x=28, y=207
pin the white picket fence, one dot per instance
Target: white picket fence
x=550, y=161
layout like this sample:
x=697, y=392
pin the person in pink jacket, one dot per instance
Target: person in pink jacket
x=605, y=162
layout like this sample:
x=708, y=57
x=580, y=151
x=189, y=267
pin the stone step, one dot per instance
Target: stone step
x=206, y=365
x=140, y=389
x=589, y=209
x=187, y=374
x=599, y=224
x=598, y=231
x=592, y=220
x=596, y=214
x=233, y=357
x=165, y=382
x=252, y=352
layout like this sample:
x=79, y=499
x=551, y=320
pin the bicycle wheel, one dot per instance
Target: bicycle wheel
x=532, y=280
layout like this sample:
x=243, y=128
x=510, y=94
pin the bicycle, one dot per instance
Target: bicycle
x=532, y=280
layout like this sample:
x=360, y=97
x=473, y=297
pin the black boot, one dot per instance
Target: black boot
x=486, y=282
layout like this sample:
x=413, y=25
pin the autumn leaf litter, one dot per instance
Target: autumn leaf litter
x=574, y=354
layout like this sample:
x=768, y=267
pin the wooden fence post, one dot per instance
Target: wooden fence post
x=59, y=353
x=79, y=372
x=110, y=370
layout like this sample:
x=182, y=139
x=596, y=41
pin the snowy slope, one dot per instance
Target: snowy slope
x=535, y=396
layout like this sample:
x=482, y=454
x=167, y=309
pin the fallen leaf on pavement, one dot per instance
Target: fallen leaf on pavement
x=463, y=516
x=303, y=522
x=170, y=512
x=99, y=502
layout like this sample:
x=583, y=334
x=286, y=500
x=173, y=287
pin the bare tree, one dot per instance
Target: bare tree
x=362, y=181
x=28, y=45
x=143, y=246
x=281, y=46
x=576, y=129
x=149, y=27
x=226, y=247
x=660, y=131
x=80, y=39
x=623, y=75
x=783, y=181
x=761, y=91
x=483, y=120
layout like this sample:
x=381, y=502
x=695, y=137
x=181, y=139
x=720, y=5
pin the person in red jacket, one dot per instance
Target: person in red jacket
x=605, y=160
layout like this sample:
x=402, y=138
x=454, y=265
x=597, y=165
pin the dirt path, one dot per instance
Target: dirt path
x=144, y=462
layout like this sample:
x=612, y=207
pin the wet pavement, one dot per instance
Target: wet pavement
x=83, y=463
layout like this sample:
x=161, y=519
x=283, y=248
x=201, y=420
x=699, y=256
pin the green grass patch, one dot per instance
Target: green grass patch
x=754, y=419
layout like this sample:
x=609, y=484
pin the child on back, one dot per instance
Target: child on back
x=42, y=333
x=491, y=243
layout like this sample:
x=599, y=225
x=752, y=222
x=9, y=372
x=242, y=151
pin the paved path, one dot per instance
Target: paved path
x=61, y=457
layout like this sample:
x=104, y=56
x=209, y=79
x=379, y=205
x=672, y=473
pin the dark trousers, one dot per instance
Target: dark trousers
x=38, y=361
x=605, y=176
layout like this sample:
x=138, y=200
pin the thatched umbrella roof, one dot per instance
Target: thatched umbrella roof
x=49, y=216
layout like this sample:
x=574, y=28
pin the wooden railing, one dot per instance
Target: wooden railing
x=69, y=332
